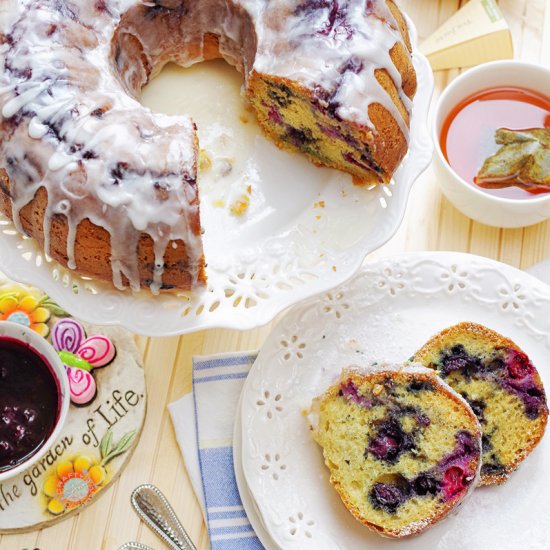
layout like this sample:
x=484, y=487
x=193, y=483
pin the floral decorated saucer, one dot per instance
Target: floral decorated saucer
x=106, y=415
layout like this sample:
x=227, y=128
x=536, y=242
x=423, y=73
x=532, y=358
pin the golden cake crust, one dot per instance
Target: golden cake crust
x=93, y=246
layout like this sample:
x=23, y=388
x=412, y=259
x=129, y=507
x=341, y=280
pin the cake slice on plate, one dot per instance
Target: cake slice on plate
x=501, y=385
x=403, y=448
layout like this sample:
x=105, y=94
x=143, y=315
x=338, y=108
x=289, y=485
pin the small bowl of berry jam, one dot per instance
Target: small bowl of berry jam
x=34, y=398
x=492, y=133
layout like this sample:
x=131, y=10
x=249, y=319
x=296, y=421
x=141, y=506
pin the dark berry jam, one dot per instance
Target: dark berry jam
x=29, y=403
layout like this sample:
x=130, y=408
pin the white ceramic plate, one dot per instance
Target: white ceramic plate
x=307, y=229
x=246, y=498
x=386, y=313
x=541, y=271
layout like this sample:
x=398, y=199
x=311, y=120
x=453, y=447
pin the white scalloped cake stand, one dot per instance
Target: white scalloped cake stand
x=307, y=230
x=386, y=313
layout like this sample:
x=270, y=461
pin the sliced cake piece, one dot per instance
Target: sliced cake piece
x=403, y=449
x=501, y=385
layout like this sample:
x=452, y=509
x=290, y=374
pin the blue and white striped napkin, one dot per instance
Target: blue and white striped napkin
x=203, y=422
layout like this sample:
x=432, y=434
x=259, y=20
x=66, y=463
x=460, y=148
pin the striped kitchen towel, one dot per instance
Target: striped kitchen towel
x=203, y=422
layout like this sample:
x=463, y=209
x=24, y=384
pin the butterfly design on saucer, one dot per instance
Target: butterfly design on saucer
x=81, y=355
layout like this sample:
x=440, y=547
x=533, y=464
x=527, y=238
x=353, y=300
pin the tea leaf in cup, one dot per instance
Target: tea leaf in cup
x=523, y=160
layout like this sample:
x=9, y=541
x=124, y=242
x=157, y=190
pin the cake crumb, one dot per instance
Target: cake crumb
x=218, y=203
x=243, y=119
x=205, y=162
x=319, y=204
x=240, y=206
x=334, y=268
x=222, y=167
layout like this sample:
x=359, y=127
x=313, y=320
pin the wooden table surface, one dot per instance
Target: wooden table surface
x=431, y=223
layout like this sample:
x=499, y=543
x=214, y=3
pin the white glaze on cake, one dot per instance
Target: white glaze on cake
x=71, y=121
x=300, y=46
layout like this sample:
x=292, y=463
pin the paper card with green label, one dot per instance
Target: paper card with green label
x=475, y=34
x=104, y=421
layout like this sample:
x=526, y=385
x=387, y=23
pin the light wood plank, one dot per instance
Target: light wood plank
x=160, y=363
x=60, y=535
x=511, y=244
x=19, y=542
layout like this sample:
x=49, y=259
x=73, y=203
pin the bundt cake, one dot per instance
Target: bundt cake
x=403, y=449
x=501, y=385
x=109, y=188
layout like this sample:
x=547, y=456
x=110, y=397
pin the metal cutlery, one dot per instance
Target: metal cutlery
x=134, y=546
x=153, y=508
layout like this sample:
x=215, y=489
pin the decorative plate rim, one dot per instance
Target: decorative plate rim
x=246, y=496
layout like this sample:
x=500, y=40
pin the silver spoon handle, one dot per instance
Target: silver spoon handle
x=153, y=508
x=134, y=546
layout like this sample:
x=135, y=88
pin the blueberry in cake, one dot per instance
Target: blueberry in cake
x=501, y=385
x=403, y=449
